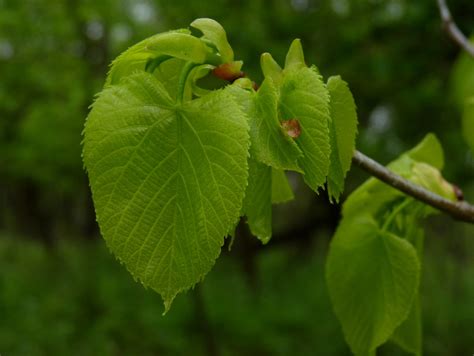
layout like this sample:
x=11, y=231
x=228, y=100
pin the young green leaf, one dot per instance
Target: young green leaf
x=197, y=73
x=373, y=196
x=169, y=73
x=409, y=334
x=270, y=145
x=394, y=220
x=215, y=34
x=163, y=46
x=258, y=200
x=266, y=186
x=343, y=131
x=373, y=277
x=303, y=96
x=295, y=56
x=168, y=179
x=429, y=151
x=270, y=68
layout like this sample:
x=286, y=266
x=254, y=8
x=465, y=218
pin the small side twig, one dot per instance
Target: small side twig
x=462, y=211
x=452, y=29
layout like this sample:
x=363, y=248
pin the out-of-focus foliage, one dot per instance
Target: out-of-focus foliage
x=73, y=300
x=53, y=59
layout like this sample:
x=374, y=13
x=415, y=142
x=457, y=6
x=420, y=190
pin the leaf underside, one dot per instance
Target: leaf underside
x=373, y=265
x=373, y=278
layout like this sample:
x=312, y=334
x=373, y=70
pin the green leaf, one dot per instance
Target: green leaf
x=168, y=73
x=215, y=33
x=343, y=131
x=373, y=277
x=266, y=186
x=295, y=56
x=303, y=96
x=167, y=179
x=429, y=151
x=281, y=189
x=409, y=334
x=173, y=44
x=196, y=74
x=468, y=123
x=243, y=96
x=258, y=200
x=374, y=196
x=378, y=212
x=431, y=179
x=270, y=68
x=270, y=145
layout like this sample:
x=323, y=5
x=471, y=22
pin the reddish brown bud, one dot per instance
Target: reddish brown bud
x=229, y=71
x=291, y=127
x=458, y=192
x=255, y=86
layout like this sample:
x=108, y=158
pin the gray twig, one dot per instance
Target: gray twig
x=462, y=211
x=452, y=29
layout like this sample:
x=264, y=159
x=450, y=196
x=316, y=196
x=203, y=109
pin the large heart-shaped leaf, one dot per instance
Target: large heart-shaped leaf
x=168, y=179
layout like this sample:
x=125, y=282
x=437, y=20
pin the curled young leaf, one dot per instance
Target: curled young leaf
x=177, y=44
x=214, y=33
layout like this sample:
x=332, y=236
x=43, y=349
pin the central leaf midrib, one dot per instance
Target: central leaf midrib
x=188, y=122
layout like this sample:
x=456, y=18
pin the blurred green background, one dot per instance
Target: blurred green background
x=62, y=293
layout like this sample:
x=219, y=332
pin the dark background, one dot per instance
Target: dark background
x=62, y=293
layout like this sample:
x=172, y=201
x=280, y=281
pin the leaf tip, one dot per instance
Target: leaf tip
x=167, y=304
x=295, y=55
x=270, y=68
